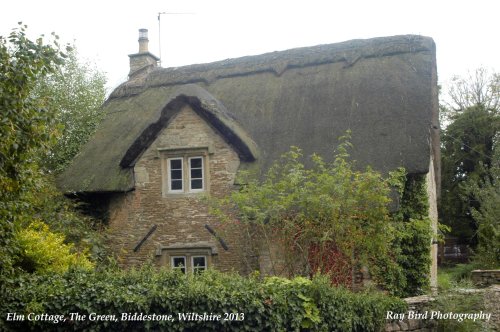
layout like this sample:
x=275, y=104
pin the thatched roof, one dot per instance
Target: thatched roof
x=383, y=89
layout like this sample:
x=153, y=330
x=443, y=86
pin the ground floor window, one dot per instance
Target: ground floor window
x=195, y=263
x=194, y=257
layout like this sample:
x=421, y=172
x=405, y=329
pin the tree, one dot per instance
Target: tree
x=74, y=93
x=487, y=215
x=25, y=127
x=28, y=130
x=332, y=219
x=477, y=88
x=467, y=148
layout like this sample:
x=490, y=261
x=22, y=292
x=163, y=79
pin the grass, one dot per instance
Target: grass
x=453, y=297
x=452, y=276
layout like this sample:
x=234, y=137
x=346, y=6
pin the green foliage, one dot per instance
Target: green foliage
x=332, y=212
x=467, y=152
x=330, y=207
x=414, y=199
x=342, y=310
x=413, y=239
x=487, y=216
x=473, y=121
x=29, y=202
x=26, y=122
x=274, y=304
x=414, y=235
x=452, y=276
x=458, y=297
x=407, y=271
x=62, y=216
x=291, y=296
x=26, y=130
x=45, y=252
x=75, y=94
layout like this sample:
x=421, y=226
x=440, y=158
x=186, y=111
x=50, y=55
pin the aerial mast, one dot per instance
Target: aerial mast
x=159, y=28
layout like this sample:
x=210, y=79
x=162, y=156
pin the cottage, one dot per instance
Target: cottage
x=172, y=135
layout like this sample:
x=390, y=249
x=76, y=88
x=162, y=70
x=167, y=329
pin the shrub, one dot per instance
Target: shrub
x=313, y=214
x=45, y=252
x=271, y=304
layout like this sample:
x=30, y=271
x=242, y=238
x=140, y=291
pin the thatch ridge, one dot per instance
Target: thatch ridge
x=278, y=62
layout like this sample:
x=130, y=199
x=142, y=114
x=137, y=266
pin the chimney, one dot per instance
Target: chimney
x=143, y=61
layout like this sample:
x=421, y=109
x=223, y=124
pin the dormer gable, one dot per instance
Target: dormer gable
x=207, y=108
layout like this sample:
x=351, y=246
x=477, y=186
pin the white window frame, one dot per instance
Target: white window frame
x=185, y=160
x=169, y=175
x=194, y=268
x=189, y=178
x=186, y=154
x=189, y=266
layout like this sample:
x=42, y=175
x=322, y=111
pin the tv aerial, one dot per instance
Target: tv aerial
x=159, y=26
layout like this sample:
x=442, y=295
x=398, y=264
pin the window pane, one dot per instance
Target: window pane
x=196, y=163
x=175, y=164
x=176, y=185
x=179, y=263
x=199, y=261
x=196, y=173
x=176, y=175
x=196, y=184
x=199, y=264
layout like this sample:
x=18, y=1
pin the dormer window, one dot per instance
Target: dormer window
x=184, y=171
x=186, y=175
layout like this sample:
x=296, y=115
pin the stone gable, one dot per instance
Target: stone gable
x=180, y=218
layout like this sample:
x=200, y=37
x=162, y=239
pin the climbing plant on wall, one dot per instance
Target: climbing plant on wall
x=305, y=216
x=332, y=218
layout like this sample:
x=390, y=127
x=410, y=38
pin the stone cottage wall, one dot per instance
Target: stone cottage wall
x=433, y=216
x=180, y=218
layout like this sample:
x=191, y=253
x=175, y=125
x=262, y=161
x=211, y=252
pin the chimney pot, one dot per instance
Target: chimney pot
x=143, y=41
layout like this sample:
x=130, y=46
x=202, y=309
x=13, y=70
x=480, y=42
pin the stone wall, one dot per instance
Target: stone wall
x=484, y=278
x=422, y=305
x=491, y=305
x=416, y=306
x=180, y=218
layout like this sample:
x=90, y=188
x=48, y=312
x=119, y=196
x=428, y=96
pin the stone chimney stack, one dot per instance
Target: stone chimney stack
x=144, y=61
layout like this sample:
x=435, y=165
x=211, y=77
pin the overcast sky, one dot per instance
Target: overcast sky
x=466, y=32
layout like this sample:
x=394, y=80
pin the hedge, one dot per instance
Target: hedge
x=249, y=303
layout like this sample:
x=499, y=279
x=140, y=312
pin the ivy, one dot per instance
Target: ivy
x=407, y=273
